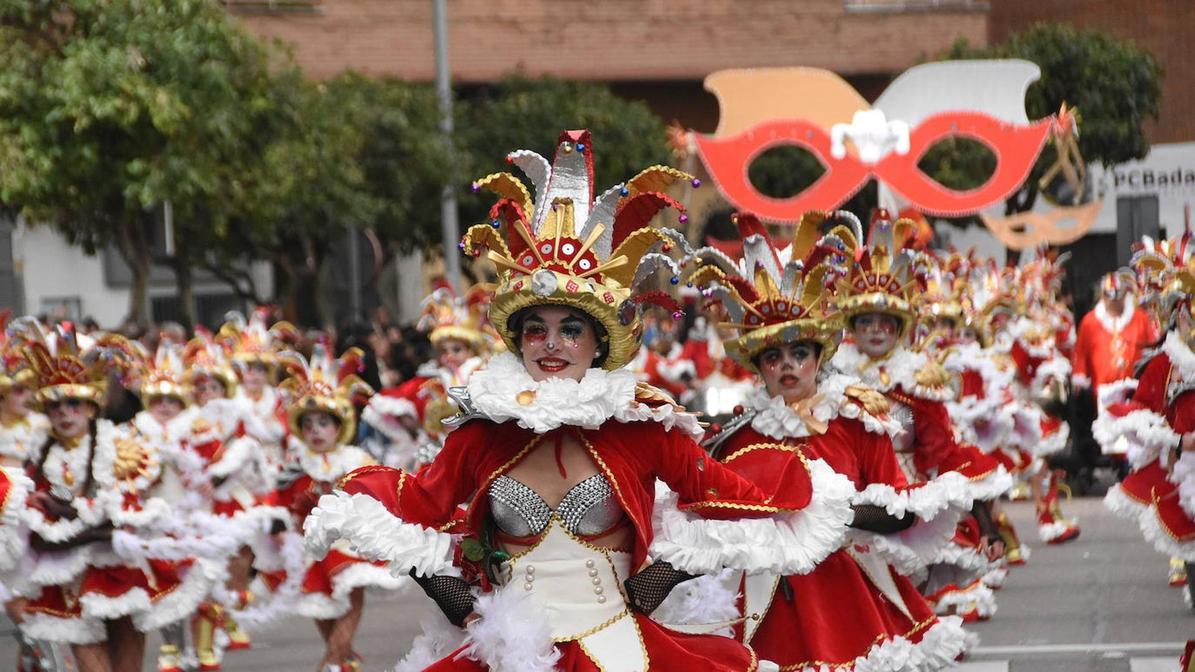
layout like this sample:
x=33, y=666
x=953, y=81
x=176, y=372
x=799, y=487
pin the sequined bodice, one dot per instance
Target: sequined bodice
x=588, y=508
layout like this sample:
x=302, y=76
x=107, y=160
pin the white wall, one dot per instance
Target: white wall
x=52, y=270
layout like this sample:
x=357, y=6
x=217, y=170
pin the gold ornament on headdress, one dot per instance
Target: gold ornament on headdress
x=326, y=385
x=883, y=278
x=776, y=295
x=564, y=247
x=250, y=341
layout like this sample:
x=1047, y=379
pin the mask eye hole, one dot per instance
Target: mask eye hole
x=959, y=163
x=784, y=171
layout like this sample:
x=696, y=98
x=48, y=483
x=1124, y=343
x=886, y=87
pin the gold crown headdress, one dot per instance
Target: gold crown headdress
x=564, y=247
x=884, y=276
x=775, y=295
x=446, y=316
x=1166, y=269
x=251, y=341
x=326, y=385
x=61, y=368
x=16, y=370
x=164, y=375
x=204, y=356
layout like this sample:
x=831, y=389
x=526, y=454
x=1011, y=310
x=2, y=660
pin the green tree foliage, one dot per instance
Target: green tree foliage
x=1115, y=85
x=110, y=108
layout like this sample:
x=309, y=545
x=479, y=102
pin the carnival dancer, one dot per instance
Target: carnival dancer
x=92, y=479
x=410, y=414
x=23, y=432
x=557, y=452
x=1157, y=424
x=254, y=350
x=877, y=299
x=662, y=362
x=234, y=479
x=1042, y=376
x=854, y=611
x=322, y=423
x=721, y=383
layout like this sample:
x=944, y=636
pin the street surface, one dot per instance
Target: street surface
x=1097, y=604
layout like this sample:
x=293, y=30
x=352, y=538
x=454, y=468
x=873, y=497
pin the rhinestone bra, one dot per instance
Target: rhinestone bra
x=588, y=508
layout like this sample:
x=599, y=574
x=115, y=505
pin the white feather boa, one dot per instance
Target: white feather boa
x=512, y=634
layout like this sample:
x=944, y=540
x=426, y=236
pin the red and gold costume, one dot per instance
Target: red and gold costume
x=560, y=603
x=855, y=610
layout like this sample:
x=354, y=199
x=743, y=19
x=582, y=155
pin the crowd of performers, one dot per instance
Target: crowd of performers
x=546, y=481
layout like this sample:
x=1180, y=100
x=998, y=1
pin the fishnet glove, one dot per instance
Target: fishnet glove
x=874, y=518
x=648, y=588
x=450, y=593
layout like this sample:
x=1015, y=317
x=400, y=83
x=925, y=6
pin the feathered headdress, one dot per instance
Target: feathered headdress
x=325, y=385
x=16, y=370
x=251, y=341
x=564, y=247
x=163, y=375
x=1166, y=269
x=445, y=316
x=61, y=368
x=884, y=277
x=776, y=295
x=204, y=356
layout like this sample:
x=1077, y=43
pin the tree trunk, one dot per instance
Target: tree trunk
x=134, y=249
x=186, y=291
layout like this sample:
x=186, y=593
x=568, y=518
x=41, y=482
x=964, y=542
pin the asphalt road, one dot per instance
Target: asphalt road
x=1097, y=604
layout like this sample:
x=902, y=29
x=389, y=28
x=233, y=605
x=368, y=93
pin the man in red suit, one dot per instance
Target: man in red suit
x=1111, y=337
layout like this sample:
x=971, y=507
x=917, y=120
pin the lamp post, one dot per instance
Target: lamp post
x=448, y=214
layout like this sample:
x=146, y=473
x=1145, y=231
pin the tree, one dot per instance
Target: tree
x=111, y=108
x=1114, y=85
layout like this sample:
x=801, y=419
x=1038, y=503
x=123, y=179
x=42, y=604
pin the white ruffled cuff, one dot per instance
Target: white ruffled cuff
x=665, y=414
x=784, y=544
x=991, y=486
x=1145, y=433
x=914, y=549
x=951, y=490
x=237, y=454
x=376, y=534
x=90, y=513
x=1183, y=474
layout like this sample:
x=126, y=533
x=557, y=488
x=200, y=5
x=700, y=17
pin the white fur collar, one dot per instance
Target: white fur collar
x=775, y=419
x=24, y=439
x=330, y=467
x=900, y=367
x=263, y=408
x=1115, y=325
x=175, y=430
x=503, y=391
x=448, y=377
x=1180, y=355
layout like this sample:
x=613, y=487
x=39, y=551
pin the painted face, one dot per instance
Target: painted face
x=164, y=408
x=69, y=418
x=206, y=389
x=968, y=335
x=875, y=334
x=557, y=342
x=254, y=378
x=17, y=402
x=319, y=431
x=789, y=370
x=453, y=352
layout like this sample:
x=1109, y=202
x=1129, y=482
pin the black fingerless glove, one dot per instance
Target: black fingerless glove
x=874, y=518
x=450, y=593
x=648, y=588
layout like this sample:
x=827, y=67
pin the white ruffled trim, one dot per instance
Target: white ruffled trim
x=132, y=601
x=1124, y=506
x=237, y=453
x=437, y=639
x=914, y=549
x=1183, y=475
x=23, y=440
x=512, y=634
x=966, y=558
x=1051, y=531
x=784, y=544
x=359, y=575
x=272, y=605
x=977, y=597
x=1144, y=433
x=1079, y=381
x=1115, y=325
x=1117, y=392
x=376, y=534
x=1053, y=442
x=1055, y=368
x=991, y=486
x=55, y=568
x=557, y=402
x=774, y=418
x=939, y=648
x=393, y=407
x=1180, y=355
x=184, y=600
x=389, y=425
x=970, y=412
x=902, y=366
x=64, y=630
x=951, y=490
